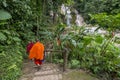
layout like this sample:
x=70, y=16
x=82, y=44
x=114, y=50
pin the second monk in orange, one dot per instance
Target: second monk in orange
x=37, y=53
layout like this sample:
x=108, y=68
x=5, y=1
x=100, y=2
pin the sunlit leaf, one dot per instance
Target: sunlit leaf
x=4, y=15
x=74, y=42
x=87, y=40
x=6, y=31
x=99, y=39
x=2, y=37
x=16, y=39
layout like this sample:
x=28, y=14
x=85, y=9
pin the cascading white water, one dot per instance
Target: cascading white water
x=66, y=11
x=79, y=21
x=63, y=9
x=68, y=17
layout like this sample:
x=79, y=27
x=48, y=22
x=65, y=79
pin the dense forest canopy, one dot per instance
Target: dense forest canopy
x=25, y=20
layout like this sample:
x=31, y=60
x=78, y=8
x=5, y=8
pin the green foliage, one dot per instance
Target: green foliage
x=59, y=30
x=94, y=52
x=12, y=33
x=74, y=64
x=4, y=15
x=22, y=20
x=86, y=7
x=28, y=20
x=101, y=57
x=111, y=22
x=11, y=60
x=11, y=55
x=2, y=37
x=56, y=60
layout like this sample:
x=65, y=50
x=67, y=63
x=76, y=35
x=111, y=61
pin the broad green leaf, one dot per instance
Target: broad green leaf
x=4, y=15
x=99, y=39
x=2, y=23
x=87, y=40
x=80, y=45
x=74, y=43
x=2, y=37
x=6, y=31
x=5, y=4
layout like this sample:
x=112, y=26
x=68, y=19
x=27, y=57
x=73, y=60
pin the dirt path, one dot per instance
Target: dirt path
x=50, y=71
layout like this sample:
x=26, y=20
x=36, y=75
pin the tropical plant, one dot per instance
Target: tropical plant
x=110, y=22
x=94, y=52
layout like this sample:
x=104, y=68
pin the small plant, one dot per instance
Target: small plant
x=74, y=64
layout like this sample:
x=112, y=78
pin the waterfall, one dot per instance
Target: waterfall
x=68, y=17
x=67, y=13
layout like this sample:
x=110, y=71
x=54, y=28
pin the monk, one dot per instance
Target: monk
x=37, y=53
x=29, y=46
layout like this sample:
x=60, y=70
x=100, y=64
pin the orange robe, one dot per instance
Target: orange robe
x=37, y=51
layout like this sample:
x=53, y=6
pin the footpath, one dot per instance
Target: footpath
x=50, y=71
